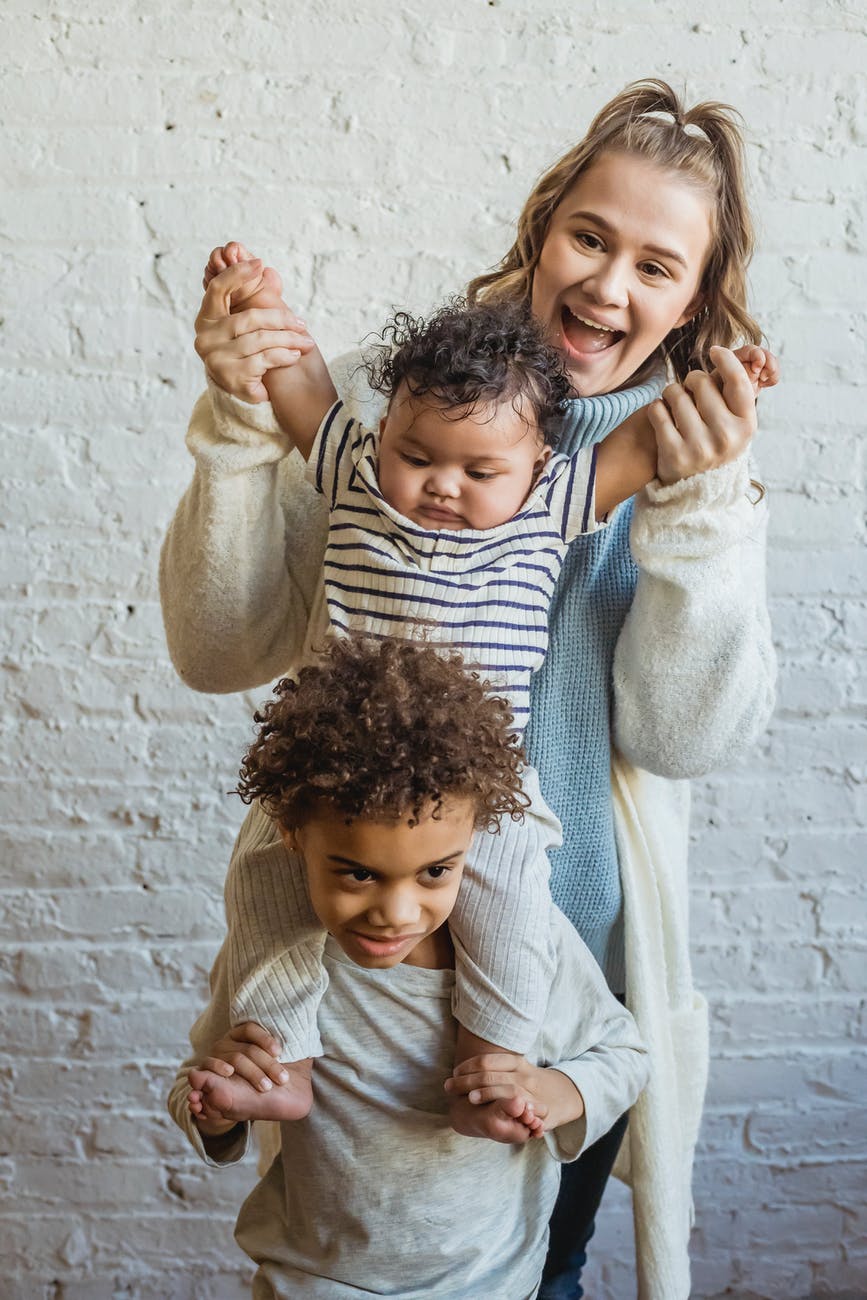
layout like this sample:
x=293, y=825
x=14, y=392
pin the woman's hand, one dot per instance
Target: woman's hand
x=237, y=350
x=706, y=421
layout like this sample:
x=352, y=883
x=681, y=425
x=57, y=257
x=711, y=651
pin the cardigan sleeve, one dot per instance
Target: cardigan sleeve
x=694, y=666
x=241, y=563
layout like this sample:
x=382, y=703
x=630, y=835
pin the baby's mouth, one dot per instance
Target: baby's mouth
x=582, y=335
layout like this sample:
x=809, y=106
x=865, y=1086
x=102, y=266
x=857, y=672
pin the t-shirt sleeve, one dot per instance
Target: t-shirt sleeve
x=572, y=496
x=330, y=452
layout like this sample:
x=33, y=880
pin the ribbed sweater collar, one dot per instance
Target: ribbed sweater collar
x=589, y=419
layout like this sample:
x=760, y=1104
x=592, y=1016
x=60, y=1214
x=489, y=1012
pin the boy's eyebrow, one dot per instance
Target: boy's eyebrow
x=363, y=866
x=606, y=226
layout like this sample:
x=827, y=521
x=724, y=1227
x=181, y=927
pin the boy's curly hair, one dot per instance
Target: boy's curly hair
x=465, y=356
x=383, y=730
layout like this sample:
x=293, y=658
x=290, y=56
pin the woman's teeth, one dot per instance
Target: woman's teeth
x=584, y=335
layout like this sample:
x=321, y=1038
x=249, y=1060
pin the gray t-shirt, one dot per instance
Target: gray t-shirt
x=373, y=1193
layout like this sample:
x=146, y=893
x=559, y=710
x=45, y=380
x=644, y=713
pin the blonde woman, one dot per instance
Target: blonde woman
x=631, y=251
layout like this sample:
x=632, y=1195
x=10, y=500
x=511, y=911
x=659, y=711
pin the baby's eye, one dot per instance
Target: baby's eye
x=481, y=475
x=418, y=461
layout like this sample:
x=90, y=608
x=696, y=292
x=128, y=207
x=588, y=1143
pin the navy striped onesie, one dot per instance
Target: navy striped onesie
x=487, y=593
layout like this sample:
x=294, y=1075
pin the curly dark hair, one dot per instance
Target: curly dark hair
x=383, y=730
x=467, y=355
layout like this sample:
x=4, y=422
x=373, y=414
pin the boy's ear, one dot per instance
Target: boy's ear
x=289, y=839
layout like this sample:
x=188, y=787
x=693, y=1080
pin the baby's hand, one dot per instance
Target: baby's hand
x=761, y=366
x=264, y=290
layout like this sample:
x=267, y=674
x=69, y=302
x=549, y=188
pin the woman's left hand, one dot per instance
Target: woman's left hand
x=706, y=421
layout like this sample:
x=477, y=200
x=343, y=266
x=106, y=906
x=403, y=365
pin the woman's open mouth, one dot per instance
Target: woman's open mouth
x=584, y=336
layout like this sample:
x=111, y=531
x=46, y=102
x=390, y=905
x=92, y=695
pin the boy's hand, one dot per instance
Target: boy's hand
x=706, y=421
x=544, y=1097
x=249, y=1052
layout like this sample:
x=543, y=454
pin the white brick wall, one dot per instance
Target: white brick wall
x=377, y=154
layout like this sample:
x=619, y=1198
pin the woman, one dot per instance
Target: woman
x=632, y=251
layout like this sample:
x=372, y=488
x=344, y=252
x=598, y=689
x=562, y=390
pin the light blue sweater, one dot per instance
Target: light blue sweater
x=569, y=735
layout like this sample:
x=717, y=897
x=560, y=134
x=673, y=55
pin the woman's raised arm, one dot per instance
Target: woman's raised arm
x=240, y=564
x=694, y=666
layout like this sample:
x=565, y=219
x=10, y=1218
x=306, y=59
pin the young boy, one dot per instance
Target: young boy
x=378, y=765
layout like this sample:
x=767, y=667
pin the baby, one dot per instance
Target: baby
x=378, y=764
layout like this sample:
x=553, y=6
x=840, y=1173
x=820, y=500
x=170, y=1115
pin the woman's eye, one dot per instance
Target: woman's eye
x=653, y=270
x=585, y=238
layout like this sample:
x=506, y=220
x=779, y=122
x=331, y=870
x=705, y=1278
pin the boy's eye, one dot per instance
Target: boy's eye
x=358, y=874
x=437, y=873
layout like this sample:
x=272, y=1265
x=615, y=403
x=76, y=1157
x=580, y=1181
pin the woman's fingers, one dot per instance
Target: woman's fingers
x=217, y=300
x=250, y=1031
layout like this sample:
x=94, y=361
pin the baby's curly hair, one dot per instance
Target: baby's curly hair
x=465, y=356
x=384, y=730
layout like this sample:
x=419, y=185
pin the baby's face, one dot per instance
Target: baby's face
x=383, y=889
x=474, y=471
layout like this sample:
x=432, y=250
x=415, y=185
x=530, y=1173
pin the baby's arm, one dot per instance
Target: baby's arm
x=300, y=392
x=695, y=426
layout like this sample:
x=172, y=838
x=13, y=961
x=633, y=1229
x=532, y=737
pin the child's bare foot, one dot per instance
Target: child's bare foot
x=215, y=1096
x=512, y=1120
x=265, y=292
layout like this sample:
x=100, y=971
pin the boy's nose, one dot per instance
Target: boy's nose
x=396, y=910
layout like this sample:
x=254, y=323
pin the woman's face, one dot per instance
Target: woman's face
x=620, y=268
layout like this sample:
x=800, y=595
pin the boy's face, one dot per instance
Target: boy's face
x=444, y=472
x=382, y=888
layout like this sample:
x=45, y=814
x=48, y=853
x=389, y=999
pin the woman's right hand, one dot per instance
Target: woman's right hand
x=238, y=350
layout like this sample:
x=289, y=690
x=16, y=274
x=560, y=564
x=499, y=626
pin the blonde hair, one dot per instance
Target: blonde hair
x=704, y=144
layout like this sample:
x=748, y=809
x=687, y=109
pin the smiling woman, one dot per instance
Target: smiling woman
x=631, y=251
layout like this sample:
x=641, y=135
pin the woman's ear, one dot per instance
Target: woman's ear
x=692, y=309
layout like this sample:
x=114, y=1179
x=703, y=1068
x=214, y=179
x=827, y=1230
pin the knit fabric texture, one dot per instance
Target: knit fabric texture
x=568, y=738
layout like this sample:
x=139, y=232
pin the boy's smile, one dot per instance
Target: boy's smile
x=385, y=889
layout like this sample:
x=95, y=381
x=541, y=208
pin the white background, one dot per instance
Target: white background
x=378, y=156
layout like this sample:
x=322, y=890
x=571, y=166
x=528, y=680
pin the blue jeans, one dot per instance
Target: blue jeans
x=574, y=1218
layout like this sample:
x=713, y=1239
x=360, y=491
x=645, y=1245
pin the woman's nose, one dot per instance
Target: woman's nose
x=609, y=283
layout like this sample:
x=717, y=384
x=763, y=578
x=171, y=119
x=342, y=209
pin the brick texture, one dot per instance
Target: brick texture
x=377, y=155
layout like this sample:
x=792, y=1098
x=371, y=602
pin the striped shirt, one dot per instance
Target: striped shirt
x=485, y=592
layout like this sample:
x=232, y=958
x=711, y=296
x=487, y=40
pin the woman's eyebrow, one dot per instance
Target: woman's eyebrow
x=609, y=229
